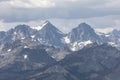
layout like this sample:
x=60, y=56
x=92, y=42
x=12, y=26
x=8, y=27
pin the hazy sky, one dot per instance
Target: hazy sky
x=65, y=14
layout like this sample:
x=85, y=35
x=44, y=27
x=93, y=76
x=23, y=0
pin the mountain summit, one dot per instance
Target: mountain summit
x=49, y=35
x=83, y=32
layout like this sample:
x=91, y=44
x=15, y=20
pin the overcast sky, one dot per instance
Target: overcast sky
x=65, y=14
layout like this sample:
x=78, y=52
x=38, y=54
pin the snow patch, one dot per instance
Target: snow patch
x=25, y=46
x=107, y=35
x=41, y=26
x=37, y=27
x=87, y=42
x=67, y=40
x=23, y=38
x=25, y=56
x=33, y=36
x=9, y=50
x=45, y=23
x=73, y=49
x=79, y=45
x=15, y=33
x=112, y=44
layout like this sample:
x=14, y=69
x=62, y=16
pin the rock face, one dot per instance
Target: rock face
x=83, y=33
x=18, y=58
x=45, y=53
x=97, y=62
x=49, y=34
x=114, y=38
x=94, y=63
x=82, y=36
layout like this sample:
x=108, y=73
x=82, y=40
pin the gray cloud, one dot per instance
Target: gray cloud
x=98, y=13
x=4, y=0
x=67, y=9
x=23, y=15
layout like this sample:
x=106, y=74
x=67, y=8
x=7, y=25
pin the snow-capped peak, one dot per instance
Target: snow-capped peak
x=41, y=26
x=45, y=23
x=83, y=32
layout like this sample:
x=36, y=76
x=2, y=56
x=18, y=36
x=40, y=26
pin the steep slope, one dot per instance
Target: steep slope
x=93, y=63
x=98, y=62
x=42, y=53
x=50, y=35
x=83, y=33
x=56, y=72
x=114, y=38
x=2, y=34
x=14, y=56
x=47, y=34
x=20, y=32
x=82, y=36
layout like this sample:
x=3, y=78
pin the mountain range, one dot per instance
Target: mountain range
x=48, y=34
x=46, y=53
x=95, y=62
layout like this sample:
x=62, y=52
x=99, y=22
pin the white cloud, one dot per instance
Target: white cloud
x=28, y=3
x=104, y=30
x=72, y=0
x=113, y=4
x=109, y=4
x=62, y=3
x=107, y=22
x=69, y=13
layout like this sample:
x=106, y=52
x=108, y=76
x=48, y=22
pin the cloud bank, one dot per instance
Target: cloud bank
x=99, y=13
